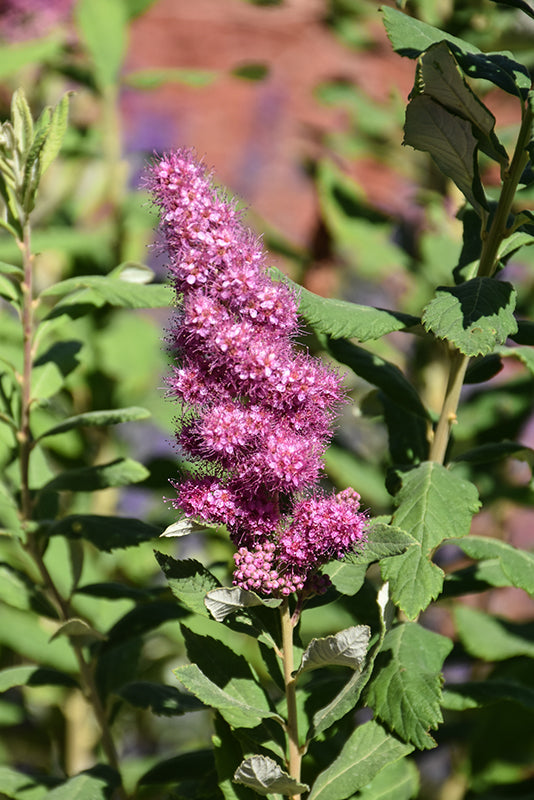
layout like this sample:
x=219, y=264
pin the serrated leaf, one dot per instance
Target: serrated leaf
x=235, y=711
x=102, y=25
x=397, y=781
x=265, y=776
x=188, y=580
x=33, y=676
x=518, y=565
x=114, y=416
x=382, y=541
x=432, y=503
x=406, y=689
x=105, y=533
x=347, y=648
x=55, y=134
x=98, y=290
x=120, y=472
x=163, y=700
x=222, y=602
x=523, y=354
x=475, y=316
x=22, y=120
x=343, y=320
x=478, y=694
x=387, y=376
x=450, y=142
x=489, y=638
x=80, y=630
x=439, y=77
x=97, y=783
x=365, y=753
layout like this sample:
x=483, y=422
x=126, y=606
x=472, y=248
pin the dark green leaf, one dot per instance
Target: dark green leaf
x=433, y=503
x=383, y=541
x=159, y=698
x=251, y=71
x=64, y=355
x=475, y=316
x=405, y=692
x=187, y=765
x=189, y=581
x=520, y=4
x=106, y=533
x=265, y=776
x=476, y=694
x=141, y=619
x=228, y=755
x=449, y=140
x=18, y=590
x=34, y=676
x=495, y=451
x=96, y=418
x=121, y=472
x=80, y=631
x=517, y=565
x=365, y=753
x=97, y=783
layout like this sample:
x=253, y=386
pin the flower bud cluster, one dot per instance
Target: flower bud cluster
x=259, y=411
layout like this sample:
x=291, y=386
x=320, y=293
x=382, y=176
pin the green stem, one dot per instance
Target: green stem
x=294, y=760
x=491, y=242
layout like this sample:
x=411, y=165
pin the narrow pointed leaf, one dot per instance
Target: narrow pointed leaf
x=22, y=121
x=79, y=630
x=265, y=776
x=489, y=638
x=475, y=316
x=184, y=527
x=347, y=648
x=163, y=700
x=222, y=602
x=406, y=689
x=432, y=503
x=55, y=134
x=518, y=565
x=188, y=580
x=99, y=290
x=95, y=418
x=478, y=694
x=366, y=752
x=105, y=533
x=33, y=676
x=121, y=472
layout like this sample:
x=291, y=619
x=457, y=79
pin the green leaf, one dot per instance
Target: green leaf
x=475, y=316
x=450, y=141
x=397, y=781
x=223, y=602
x=80, y=631
x=22, y=120
x=251, y=71
x=265, y=776
x=18, y=785
x=523, y=354
x=64, y=355
x=489, y=638
x=188, y=580
x=347, y=578
x=47, y=380
x=33, y=676
x=105, y=533
x=20, y=591
x=185, y=766
x=496, y=451
x=478, y=694
x=163, y=700
x=365, y=753
x=235, y=710
x=520, y=4
x=517, y=565
x=120, y=472
x=347, y=648
x=97, y=783
x=379, y=372
x=383, y=541
x=154, y=78
x=439, y=77
x=16, y=56
x=96, y=418
x=55, y=133
x=433, y=504
x=405, y=692
x=102, y=25
x=228, y=755
x=410, y=36
x=340, y=319
x=98, y=290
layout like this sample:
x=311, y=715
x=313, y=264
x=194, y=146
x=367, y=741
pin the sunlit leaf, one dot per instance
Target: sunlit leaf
x=189, y=581
x=223, y=602
x=120, y=472
x=347, y=648
x=95, y=418
x=489, y=638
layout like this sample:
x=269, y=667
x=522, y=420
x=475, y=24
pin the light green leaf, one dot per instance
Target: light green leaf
x=47, y=380
x=365, y=753
x=347, y=648
x=397, y=781
x=518, y=565
x=523, y=354
x=79, y=630
x=22, y=120
x=478, y=694
x=343, y=320
x=18, y=784
x=223, y=601
x=347, y=578
x=102, y=25
x=235, y=710
x=18, y=590
x=154, y=78
x=406, y=690
x=120, y=472
x=184, y=527
x=104, y=532
x=9, y=290
x=15, y=56
x=433, y=504
x=411, y=36
x=93, y=784
x=450, y=141
x=95, y=418
x=489, y=638
x=55, y=133
x=264, y=776
x=382, y=541
x=98, y=290
x=32, y=675
x=189, y=581
x=475, y=316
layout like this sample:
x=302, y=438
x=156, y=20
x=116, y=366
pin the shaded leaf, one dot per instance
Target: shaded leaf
x=477, y=694
x=383, y=541
x=32, y=675
x=79, y=630
x=228, y=755
x=186, y=765
x=106, y=533
x=520, y=4
x=365, y=753
x=411, y=37
x=347, y=648
x=188, y=580
x=97, y=783
x=265, y=776
x=406, y=689
x=95, y=418
x=184, y=527
x=492, y=639
x=164, y=700
x=523, y=354
x=120, y=472
x=222, y=602
x=98, y=290
x=251, y=71
x=518, y=565
x=433, y=503
x=475, y=316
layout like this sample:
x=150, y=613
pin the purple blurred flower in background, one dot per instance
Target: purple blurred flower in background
x=26, y=19
x=257, y=412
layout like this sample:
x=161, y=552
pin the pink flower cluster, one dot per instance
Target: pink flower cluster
x=257, y=411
